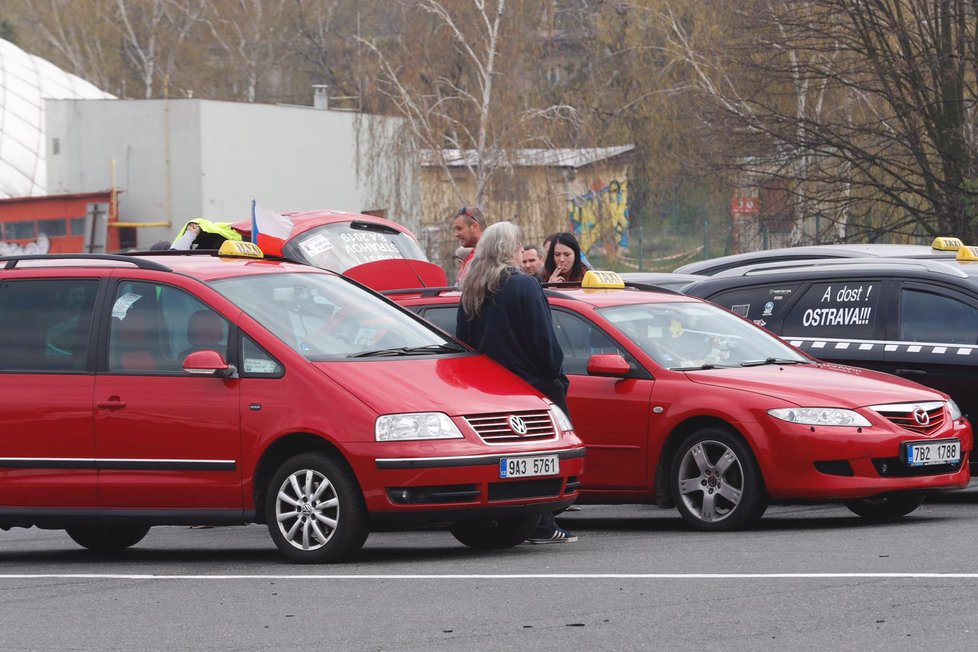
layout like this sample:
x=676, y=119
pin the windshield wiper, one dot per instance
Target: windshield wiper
x=409, y=350
x=707, y=365
x=758, y=363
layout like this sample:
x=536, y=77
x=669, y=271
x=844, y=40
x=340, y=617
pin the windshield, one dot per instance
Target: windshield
x=324, y=317
x=698, y=336
x=343, y=245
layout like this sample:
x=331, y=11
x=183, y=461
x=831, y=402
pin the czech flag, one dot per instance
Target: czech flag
x=268, y=223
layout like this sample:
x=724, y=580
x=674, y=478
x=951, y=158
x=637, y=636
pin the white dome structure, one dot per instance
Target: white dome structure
x=25, y=82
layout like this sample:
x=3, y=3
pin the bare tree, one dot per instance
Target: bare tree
x=75, y=32
x=152, y=34
x=865, y=111
x=444, y=77
x=252, y=35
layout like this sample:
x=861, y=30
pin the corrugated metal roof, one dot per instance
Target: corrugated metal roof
x=558, y=157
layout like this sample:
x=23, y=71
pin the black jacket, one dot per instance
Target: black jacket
x=515, y=328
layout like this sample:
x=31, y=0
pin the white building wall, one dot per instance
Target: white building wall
x=214, y=157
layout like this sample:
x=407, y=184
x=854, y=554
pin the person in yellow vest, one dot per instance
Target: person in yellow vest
x=204, y=234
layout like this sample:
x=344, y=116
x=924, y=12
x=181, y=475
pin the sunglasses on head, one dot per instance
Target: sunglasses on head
x=467, y=212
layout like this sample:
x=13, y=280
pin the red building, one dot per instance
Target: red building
x=70, y=223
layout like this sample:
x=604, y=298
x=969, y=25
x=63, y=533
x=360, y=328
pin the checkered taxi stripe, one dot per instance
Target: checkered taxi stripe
x=924, y=348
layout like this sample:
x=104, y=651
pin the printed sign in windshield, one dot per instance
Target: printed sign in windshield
x=339, y=247
x=840, y=310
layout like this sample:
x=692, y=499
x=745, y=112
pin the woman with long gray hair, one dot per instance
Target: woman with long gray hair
x=505, y=315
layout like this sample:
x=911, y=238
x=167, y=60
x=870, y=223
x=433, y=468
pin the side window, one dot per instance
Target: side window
x=442, y=317
x=257, y=362
x=761, y=305
x=579, y=340
x=154, y=327
x=46, y=324
x=843, y=309
x=929, y=317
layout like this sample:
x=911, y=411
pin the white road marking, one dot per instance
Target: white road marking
x=503, y=576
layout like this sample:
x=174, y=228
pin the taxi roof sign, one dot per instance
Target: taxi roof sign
x=947, y=244
x=969, y=254
x=594, y=279
x=240, y=249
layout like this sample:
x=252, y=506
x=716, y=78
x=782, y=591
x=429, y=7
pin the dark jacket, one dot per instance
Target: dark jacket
x=515, y=328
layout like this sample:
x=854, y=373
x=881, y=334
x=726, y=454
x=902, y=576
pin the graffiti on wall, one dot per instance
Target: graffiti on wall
x=600, y=216
x=40, y=246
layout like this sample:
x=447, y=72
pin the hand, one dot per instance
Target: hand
x=556, y=277
x=193, y=227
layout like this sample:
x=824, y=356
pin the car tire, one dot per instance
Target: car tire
x=887, y=506
x=716, y=483
x=496, y=533
x=315, y=510
x=107, y=539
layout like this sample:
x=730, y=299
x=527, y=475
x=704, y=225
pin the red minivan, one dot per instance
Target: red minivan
x=197, y=388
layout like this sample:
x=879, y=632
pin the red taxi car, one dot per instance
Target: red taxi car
x=196, y=388
x=377, y=252
x=683, y=403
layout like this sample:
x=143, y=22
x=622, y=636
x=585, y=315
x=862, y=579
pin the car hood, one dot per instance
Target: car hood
x=821, y=385
x=454, y=384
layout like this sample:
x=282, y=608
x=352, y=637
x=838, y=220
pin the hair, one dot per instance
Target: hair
x=533, y=247
x=568, y=240
x=549, y=242
x=471, y=215
x=491, y=265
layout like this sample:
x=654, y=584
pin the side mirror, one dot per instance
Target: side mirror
x=208, y=363
x=605, y=364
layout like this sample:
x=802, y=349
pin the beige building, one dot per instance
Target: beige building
x=543, y=190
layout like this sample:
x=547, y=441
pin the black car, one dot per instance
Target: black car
x=942, y=248
x=914, y=318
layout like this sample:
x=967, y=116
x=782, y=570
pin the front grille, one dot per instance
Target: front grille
x=894, y=467
x=524, y=489
x=497, y=428
x=923, y=418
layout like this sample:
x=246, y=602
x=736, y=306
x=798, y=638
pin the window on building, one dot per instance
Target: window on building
x=77, y=225
x=52, y=228
x=21, y=230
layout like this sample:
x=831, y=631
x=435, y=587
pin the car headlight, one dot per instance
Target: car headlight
x=820, y=416
x=417, y=425
x=954, y=410
x=560, y=419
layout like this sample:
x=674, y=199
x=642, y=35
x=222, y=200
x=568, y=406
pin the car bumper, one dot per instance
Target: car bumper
x=824, y=464
x=449, y=487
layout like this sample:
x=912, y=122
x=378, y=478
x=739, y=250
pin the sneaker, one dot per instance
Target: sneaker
x=559, y=535
x=573, y=508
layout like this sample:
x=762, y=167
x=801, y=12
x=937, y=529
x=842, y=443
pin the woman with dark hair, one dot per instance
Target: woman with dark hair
x=505, y=315
x=564, y=263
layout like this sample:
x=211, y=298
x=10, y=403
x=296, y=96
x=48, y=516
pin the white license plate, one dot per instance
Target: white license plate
x=527, y=467
x=942, y=451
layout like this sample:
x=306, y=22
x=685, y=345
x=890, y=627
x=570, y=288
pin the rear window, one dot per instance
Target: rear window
x=46, y=324
x=762, y=305
x=338, y=247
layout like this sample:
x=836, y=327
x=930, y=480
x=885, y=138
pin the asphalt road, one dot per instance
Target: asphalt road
x=810, y=577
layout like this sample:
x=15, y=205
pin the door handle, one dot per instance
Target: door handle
x=911, y=373
x=111, y=404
